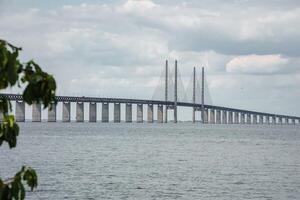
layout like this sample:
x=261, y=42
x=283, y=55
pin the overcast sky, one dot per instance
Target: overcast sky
x=112, y=48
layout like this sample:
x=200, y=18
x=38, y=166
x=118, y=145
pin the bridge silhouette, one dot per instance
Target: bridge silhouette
x=166, y=97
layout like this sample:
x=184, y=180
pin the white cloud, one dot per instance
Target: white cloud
x=256, y=64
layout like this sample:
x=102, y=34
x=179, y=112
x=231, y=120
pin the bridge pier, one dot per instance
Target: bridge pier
x=105, y=112
x=293, y=122
x=280, y=120
x=139, y=118
x=79, y=112
x=218, y=117
x=242, y=118
x=20, y=111
x=160, y=110
x=230, y=117
x=205, y=116
x=273, y=119
x=267, y=119
x=36, y=112
x=254, y=118
x=66, y=112
x=117, y=112
x=52, y=113
x=128, y=113
x=287, y=120
x=260, y=119
x=236, y=119
x=212, y=116
x=224, y=117
x=248, y=118
x=150, y=113
x=92, y=112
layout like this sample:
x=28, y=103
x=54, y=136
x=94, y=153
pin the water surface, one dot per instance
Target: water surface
x=158, y=161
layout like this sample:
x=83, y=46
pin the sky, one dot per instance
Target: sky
x=117, y=48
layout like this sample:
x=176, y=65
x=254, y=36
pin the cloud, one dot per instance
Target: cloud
x=118, y=48
x=256, y=64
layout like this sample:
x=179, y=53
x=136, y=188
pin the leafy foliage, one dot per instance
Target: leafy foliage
x=40, y=87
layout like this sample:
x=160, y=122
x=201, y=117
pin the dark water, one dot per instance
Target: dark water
x=158, y=161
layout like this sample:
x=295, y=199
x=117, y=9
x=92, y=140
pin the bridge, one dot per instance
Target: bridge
x=209, y=113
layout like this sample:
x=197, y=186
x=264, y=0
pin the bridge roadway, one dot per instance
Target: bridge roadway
x=18, y=97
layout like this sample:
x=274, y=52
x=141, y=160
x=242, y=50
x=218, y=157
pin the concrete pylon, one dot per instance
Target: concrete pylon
x=105, y=112
x=254, y=118
x=36, y=112
x=20, y=111
x=236, y=119
x=293, y=122
x=175, y=94
x=117, y=112
x=128, y=113
x=224, y=117
x=248, y=118
x=218, y=117
x=242, y=118
x=261, y=119
x=202, y=98
x=92, y=112
x=230, y=117
x=212, y=116
x=160, y=109
x=52, y=113
x=139, y=117
x=194, y=95
x=150, y=113
x=166, y=92
x=273, y=119
x=280, y=120
x=66, y=112
x=205, y=115
x=267, y=119
x=287, y=120
x=79, y=112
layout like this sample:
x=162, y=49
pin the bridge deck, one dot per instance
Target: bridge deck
x=18, y=97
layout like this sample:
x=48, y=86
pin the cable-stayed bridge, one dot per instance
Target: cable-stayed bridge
x=168, y=95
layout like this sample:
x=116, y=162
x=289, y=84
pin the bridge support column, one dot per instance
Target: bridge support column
x=160, y=110
x=242, y=118
x=52, y=113
x=218, y=117
x=287, y=120
x=267, y=119
x=273, y=119
x=224, y=117
x=212, y=116
x=150, y=113
x=105, y=112
x=79, y=112
x=248, y=118
x=93, y=112
x=139, y=117
x=280, y=120
x=66, y=112
x=205, y=116
x=194, y=115
x=20, y=111
x=128, y=113
x=117, y=112
x=254, y=118
x=36, y=112
x=230, y=117
x=236, y=118
x=293, y=121
x=260, y=119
